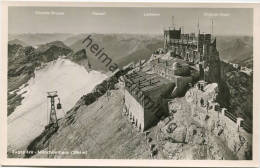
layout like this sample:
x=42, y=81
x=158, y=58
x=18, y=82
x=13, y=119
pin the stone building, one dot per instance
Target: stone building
x=170, y=68
x=177, y=71
x=183, y=46
x=203, y=39
x=185, y=59
x=200, y=49
x=144, y=98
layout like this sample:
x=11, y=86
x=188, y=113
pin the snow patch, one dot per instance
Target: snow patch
x=69, y=79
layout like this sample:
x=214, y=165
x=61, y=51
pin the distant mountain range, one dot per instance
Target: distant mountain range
x=122, y=49
x=38, y=38
x=234, y=49
x=18, y=42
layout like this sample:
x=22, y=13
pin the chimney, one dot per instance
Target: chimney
x=158, y=60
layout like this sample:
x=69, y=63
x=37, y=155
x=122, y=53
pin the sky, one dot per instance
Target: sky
x=236, y=21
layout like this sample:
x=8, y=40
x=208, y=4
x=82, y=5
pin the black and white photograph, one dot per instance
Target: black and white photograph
x=130, y=83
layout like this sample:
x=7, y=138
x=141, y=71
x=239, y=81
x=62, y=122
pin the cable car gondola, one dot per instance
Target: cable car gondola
x=59, y=105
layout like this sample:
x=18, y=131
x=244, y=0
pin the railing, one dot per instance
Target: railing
x=247, y=127
x=231, y=116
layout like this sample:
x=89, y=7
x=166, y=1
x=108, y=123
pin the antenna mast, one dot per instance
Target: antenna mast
x=198, y=26
x=212, y=26
x=198, y=29
x=172, y=21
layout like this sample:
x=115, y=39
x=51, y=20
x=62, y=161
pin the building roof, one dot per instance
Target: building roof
x=147, y=82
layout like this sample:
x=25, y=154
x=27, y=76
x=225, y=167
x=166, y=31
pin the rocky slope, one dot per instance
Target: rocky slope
x=236, y=89
x=17, y=41
x=189, y=132
x=87, y=130
x=22, y=62
x=43, y=140
x=241, y=94
x=80, y=57
x=88, y=125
